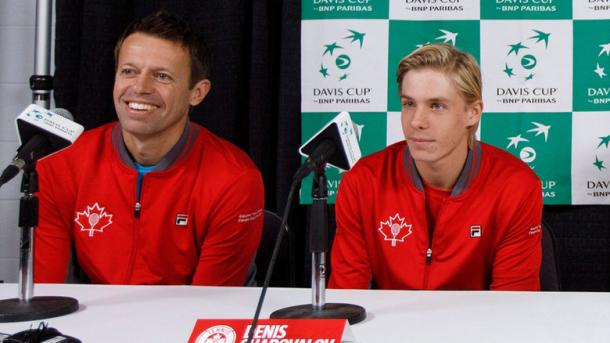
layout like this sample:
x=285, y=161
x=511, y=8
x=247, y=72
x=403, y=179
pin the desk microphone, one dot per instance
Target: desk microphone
x=40, y=132
x=337, y=144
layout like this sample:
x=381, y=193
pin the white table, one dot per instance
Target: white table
x=168, y=313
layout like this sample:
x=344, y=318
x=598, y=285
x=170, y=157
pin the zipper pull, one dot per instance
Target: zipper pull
x=429, y=256
x=136, y=210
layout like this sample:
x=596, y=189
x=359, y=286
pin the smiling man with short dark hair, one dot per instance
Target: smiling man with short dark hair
x=152, y=198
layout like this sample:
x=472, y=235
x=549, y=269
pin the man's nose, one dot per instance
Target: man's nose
x=143, y=83
x=419, y=118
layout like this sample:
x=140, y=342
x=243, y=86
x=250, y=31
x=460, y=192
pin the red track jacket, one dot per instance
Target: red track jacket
x=197, y=219
x=487, y=233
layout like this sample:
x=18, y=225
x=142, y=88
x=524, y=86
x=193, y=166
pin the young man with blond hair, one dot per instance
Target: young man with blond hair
x=439, y=210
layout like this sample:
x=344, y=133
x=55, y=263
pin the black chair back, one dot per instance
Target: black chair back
x=550, y=279
x=283, y=273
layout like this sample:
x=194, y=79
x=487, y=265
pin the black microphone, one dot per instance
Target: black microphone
x=40, y=132
x=336, y=143
x=322, y=153
x=25, y=154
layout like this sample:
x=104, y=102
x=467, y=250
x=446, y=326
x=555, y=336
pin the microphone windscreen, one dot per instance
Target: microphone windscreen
x=330, y=132
x=342, y=132
x=57, y=125
x=63, y=112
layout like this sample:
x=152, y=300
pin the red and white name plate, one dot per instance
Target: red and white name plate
x=272, y=331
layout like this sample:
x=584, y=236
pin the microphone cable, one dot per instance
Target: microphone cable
x=276, y=249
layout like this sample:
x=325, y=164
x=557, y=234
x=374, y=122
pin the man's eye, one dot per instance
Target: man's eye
x=437, y=106
x=408, y=104
x=127, y=72
x=164, y=77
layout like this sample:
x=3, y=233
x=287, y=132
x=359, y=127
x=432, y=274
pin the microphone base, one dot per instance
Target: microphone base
x=15, y=310
x=353, y=313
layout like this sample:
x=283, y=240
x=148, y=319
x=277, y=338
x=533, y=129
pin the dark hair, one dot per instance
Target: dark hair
x=165, y=25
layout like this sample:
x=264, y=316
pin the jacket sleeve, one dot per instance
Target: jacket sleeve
x=52, y=237
x=350, y=266
x=233, y=234
x=516, y=264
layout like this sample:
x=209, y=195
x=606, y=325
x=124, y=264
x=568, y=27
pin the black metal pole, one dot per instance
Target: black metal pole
x=41, y=82
x=318, y=246
x=28, y=220
x=27, y=307
x=318, y=239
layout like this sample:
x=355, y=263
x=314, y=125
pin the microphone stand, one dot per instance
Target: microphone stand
x=27, y=307
x=318, y=246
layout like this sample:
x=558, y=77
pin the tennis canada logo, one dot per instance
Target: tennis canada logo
x=217, y=334
x=395, y=229
x=93, y=219
x=337, y=55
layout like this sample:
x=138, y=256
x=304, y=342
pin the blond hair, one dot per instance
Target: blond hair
x=445, y=58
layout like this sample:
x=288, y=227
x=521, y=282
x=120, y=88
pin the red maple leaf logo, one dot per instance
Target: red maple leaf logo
x=93, y=219
x=217, y=338
x=395, y=229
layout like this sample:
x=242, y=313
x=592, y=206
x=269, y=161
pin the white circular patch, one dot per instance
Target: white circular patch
x=527, y=154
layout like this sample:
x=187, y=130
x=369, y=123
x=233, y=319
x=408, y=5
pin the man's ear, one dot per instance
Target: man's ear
x=199, y=91
x=474, y=110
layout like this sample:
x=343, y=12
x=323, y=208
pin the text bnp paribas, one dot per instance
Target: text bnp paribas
x=527, y=5
x=434, y=5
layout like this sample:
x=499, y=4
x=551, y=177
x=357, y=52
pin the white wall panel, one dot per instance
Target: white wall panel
x=17, y=39
x=17, y=12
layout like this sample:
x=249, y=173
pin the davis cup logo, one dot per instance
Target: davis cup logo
x=599, y=185
x=337, y=55
x=521, y=60
x=217, y=334
x=600, y=95
x=445, y=37
x=600, y=70
x=602, y=155
x=528, y=153
x=395, y=229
